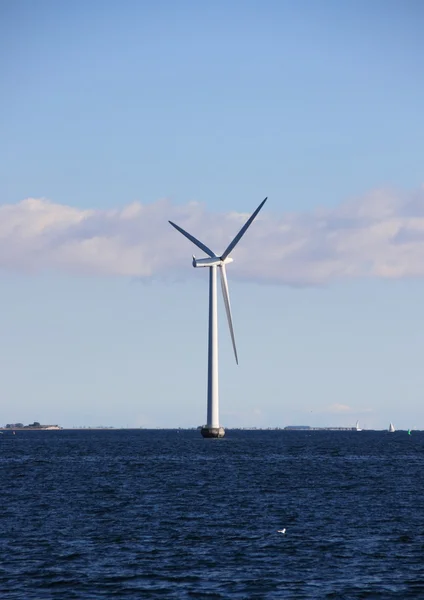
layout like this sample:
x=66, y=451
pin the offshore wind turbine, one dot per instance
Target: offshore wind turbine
x=213, y=429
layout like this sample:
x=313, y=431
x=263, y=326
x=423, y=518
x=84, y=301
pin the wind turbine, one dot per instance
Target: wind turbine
x=212, y=429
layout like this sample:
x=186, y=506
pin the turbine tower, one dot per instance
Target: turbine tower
x=212, y=429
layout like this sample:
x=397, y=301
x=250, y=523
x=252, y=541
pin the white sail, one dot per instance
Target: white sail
x=391, y=428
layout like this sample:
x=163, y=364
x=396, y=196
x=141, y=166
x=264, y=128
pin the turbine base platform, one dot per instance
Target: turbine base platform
x=212, y=432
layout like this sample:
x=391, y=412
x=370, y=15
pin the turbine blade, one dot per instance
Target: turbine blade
x=224, y=285
x=242, y=231
x=195, y=241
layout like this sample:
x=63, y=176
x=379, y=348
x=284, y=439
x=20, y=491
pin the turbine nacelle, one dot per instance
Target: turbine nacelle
x=210, y=262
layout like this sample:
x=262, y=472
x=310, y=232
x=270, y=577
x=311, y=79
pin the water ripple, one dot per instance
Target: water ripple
x=151, y=514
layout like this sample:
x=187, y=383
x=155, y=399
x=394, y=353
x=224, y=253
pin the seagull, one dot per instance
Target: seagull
x=281, y=530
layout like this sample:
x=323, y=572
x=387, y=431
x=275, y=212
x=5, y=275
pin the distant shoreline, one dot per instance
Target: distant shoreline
x=48, y=428
x=286, y=429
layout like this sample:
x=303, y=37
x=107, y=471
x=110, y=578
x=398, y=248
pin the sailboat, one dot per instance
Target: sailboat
x=357, y=426
x=391, y=428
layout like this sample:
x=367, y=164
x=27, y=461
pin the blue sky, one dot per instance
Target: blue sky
x=119, y=116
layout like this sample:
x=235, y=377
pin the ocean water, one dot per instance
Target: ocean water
x=166, y=514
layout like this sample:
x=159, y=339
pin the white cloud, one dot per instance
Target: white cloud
x=338, y=408
x=379, y=235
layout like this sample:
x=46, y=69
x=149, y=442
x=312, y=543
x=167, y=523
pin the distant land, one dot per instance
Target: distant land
x=35, y=425
x=309, y=428
x=40, y=427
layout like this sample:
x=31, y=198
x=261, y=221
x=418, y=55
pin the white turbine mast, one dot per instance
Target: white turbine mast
x=213, y=429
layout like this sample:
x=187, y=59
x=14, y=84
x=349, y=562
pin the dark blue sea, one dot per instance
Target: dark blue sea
x=166, y=514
